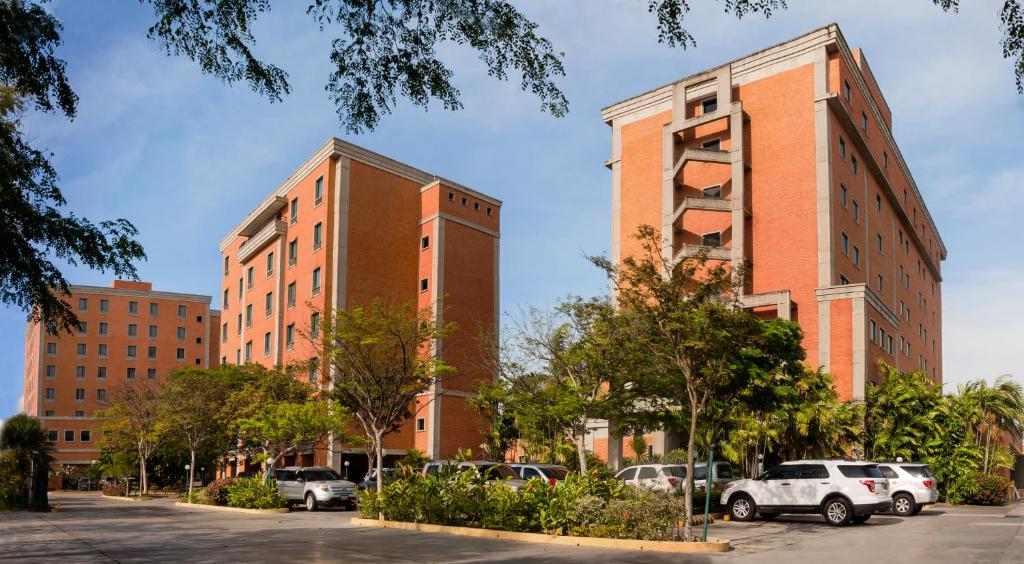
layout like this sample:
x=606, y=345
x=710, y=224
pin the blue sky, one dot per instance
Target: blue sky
x=184, y=156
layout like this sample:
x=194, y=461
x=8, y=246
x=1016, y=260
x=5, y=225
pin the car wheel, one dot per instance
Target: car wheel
x=741, y=508
x=861, y=518
x=904, y=505
x=837, y=512
x=768, y=516
x=310, y=502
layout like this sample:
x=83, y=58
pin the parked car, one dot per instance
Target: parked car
x=912, y=485
x=841, y=491
x=656, y=477
x=721, y=476
x=370, y=483
x=553, y=473
x=315, y=487
x=492, y=472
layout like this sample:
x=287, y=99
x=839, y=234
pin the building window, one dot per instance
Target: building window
x=874, y=331
x=153, y=331
x=291, y=295
x=83, y=328
x=879, y=241
x=421, y=424
x=51, y=371
x=712, y=145
x=712, y=192
x=85, y=435
x=79, y=394
x=179, y=354
x=51, y=434
x=104, y=328
x=101, y=394
x=268, y=304
x=885, y=159
x=133, y=308
x=69, y=436
x=224, y=333
x=224, y=302
x=266, y=344
x=842, y=194
x=182, y=311
x=451, y=196
x=80, y=372
x=131, y=351
x=424, y=284
x=295, y=210
x=83, y=304
x=881, y=283
x=270, y=263
x=425, y=242
x=248, y=278
x=711, y=239
x=241, y=289
x=878, y=202
x=51, y=349
x=708, y=106
x=151, y=353
x=293, y=252
x=318, y=236
x=314, y=370
x=79, y=413
x=248, y=351
x=864, y=122
x=316, y=281
x=101, y=373
x=51, y=394
x=289, y=337
x=856, y=256
x=318, y=191
x=314, y=325
x=856, y=211
x=844, y=244
x=226, y=265
x=476, y=206
x=101, y=350
x=104, y=306
x=80, y=349
x=154, y=309
x=842, y=147
x=180, y=333
x=489, y=211
x=853, y=164
x=464, y=200
x=248, y=315
x=239, y=323
x=151, y=373
x=130, y=373
x=847, y=91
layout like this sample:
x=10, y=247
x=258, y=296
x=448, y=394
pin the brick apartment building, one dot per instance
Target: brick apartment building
x=349, y=226
x=784, y=160
x=126, y=332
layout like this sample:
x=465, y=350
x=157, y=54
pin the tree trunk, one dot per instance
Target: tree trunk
x=378, y=449
x=581, y=446
x=688, y=485
x=143, y=480
x=988, y=440
x=191, y=469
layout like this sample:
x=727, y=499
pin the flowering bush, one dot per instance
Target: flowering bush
x=217, y=492
x=254, y=493
x=979, y=489
x=114, y=489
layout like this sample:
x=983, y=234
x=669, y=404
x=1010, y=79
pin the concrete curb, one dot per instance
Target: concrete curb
x=123, y=498
x=713, y=544
x=231, y=509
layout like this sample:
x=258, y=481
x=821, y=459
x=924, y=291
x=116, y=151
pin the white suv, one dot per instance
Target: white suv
x=912, y=485
x=841, y=491
x=656, y=477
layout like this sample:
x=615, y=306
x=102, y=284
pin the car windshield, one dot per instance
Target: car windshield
x=556, y=472
x=496, y=471
x=676, y=471
x=860, y=471
x=319, y=475
x=918, y=471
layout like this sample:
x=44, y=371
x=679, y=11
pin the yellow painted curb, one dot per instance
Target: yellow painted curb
x=713, y=544
x=232, y=509
x=124, y=498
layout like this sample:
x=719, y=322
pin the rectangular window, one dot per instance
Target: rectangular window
x=874, y=331
x=179, y=354
x=856, y=255
x=844, y=244
x=101, y=350
x=270, y=263
x=266, y=344
x=101, y=373
x=101, y=394
x=294, y=210
x=878, y=202
x=712, y=145
x=248, y=278
x=79, y=394
x=293, y=252
x=853, y=164
x=314, y=325
x=83, y=328
x=856, y=211
x=80, y=349
x=238, y=356
x=711, y=239
x=424, y=284
x=318, y=191
x=130, y=373
x=224, y=333
x=133, y=308
x=842, y=194
x=51, y=434
x=842, y=147
x=248, y=315
x=83, y=304
x=289, y=337
x=104, y=328
x=421, y=424
x=85, y=435
x=182, y=311
x=224, y=302
x=180, y=333
x=225, y=265
x=847, y=91
x=489, y=211
x=885, y=159
x=318, y=236
x=881, y=283
x=712, y=192
x=316, y=281
x=154, y=309
x=268, y=304
x=69, y=436
x=51, y=371
x=51, y=348
x=239, y=323
x=708, y=106
x=291, y=295
x=241, y=283
x=151, y=353
x=104, y=306
x=131, y=351
x=425, y=242
x=51, y=394
x=80, y=372
x=864, y=122
x=153, y=331
x=151, y=373
x=314, y=371
x=248, y=351
x=879, y=241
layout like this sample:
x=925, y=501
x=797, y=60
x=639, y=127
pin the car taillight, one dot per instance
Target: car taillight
x=673, y=481
x=870, y=484
x=929, y=483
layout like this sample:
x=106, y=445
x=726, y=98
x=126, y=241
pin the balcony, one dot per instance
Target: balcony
x=714, y=253
x=261, y=239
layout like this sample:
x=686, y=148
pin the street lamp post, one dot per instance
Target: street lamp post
x=708, y=475
x=188, y=483
x=347, y=463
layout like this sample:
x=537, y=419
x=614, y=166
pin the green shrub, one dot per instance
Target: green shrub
x=979, y=489
x=217, y=492
x=12, y=482
x=254, y=493
x=198, y=496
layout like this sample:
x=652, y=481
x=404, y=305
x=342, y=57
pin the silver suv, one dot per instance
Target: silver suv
x=912, y=485
x=841, y=491
x=315, y=487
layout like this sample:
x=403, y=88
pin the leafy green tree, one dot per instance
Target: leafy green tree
x=499, y=430
x=900, y=418
x=1000, y=409
x=380, y=359
x=24, y=437
x=132, y=421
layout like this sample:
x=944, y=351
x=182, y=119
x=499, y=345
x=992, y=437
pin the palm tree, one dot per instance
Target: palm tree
x=1000, y=408
x=26, y=438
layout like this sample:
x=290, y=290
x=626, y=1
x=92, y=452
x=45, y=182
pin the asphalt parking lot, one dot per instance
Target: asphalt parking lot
x=92, y=529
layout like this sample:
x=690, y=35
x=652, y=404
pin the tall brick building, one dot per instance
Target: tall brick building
x=784, y=160
x=349, y=226
x=126, y=332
